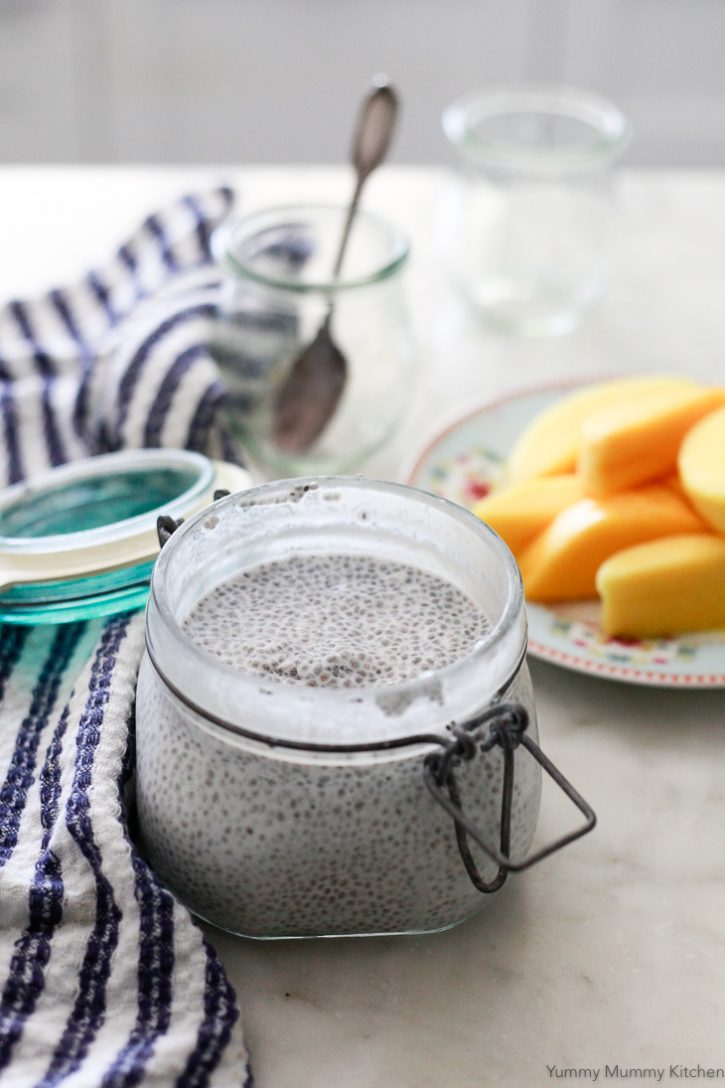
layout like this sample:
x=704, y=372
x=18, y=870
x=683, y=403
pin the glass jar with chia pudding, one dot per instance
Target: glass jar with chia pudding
x=336, y=731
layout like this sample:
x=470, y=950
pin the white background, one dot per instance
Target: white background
x=279, y=80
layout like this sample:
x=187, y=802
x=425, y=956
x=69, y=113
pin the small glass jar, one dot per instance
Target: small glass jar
x=278, y=810
x=277, y=293
x=527, y=226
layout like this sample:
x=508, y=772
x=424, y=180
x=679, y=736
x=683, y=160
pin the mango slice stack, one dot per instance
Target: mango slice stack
x=562, y=562
x=633, y=443
x=552, y=443
x=618, y=490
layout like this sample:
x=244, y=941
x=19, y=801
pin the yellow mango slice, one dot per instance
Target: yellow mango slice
x=701, y=465
x=629, y=444
x=666, y=587
x=518, y=513
x=675, y=484
x=561, y=563
x=550, y=445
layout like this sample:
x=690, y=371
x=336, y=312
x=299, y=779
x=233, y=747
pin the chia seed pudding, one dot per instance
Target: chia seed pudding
x=335, y=621
x=265, y=660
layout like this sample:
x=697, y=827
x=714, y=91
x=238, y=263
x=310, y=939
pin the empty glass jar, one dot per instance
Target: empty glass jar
x=278, y=291
x=527, y=225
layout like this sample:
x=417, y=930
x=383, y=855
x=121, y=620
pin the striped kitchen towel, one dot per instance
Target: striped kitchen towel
x=104, y=979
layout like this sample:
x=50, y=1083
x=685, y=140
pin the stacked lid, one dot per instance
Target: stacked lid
x=81, y=540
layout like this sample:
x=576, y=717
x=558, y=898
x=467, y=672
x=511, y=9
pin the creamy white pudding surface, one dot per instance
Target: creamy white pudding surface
x=336, y=621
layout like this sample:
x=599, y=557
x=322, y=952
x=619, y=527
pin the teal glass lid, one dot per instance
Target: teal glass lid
x=80, y=540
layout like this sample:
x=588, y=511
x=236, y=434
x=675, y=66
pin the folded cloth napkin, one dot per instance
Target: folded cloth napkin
x=104, y=979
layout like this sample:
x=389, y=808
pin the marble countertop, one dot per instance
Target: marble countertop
x=608, y=956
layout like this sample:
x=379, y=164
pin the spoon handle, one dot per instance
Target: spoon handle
x=370, y=145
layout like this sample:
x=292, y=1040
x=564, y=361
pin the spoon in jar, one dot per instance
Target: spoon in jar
x=309, y=395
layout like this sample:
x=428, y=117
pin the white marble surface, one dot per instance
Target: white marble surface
x=611, y=952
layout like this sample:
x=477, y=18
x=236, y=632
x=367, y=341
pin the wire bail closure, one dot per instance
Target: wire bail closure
x=166, y=526
x=507, y=723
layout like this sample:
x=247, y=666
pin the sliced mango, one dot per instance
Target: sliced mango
x=631, y=443
x=675, y=484
x=550, y=445
x=702, y=468
x=518, y=513
x=561, y=563
x=665, y=587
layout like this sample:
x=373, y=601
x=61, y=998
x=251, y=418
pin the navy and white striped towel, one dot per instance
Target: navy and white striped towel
x=105, y=981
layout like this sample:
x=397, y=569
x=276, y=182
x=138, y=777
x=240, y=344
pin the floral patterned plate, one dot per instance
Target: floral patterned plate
x=462, y=463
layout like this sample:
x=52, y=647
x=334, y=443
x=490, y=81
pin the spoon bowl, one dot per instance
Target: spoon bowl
x=311, y=392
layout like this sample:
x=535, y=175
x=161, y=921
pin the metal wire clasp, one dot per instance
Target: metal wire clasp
x=507, y=723
x=166, y=526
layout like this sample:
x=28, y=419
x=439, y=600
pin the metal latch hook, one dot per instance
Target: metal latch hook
x=507, y=723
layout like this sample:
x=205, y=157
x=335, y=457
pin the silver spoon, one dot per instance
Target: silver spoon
x=308, y=398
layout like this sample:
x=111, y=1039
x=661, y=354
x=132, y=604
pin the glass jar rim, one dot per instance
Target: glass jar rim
x=224, y=237
x=331, y=702
x=611, y=131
